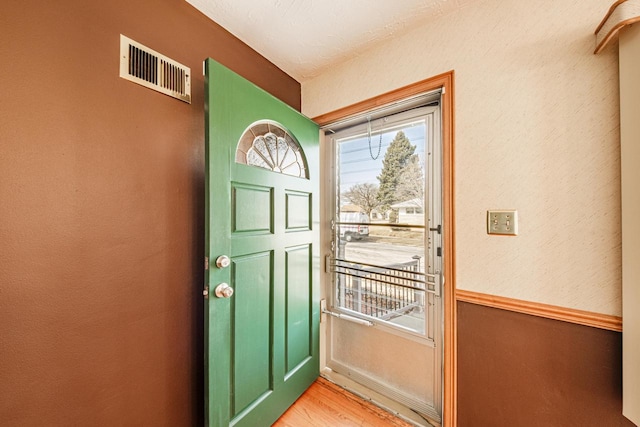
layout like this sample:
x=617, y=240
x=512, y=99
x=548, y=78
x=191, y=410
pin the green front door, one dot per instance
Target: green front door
x=261, y=341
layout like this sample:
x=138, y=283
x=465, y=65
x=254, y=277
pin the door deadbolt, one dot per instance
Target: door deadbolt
x=223, y=261
x=223, y=290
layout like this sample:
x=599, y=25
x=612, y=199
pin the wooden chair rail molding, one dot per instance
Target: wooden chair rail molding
x=586, y=318
x=621, y=14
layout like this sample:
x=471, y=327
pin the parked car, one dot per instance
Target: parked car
x=358, y=230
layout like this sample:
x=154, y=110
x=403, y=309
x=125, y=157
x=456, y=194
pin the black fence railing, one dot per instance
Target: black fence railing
x=382, y=292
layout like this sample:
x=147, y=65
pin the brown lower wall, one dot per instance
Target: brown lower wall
x=520, y=370
x=101, y=213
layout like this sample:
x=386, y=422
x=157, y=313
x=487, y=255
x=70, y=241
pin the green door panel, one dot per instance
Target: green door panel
x=298, y=211
x=261, y=343
x=299, y=287
x=251, y=325
x=257, y=219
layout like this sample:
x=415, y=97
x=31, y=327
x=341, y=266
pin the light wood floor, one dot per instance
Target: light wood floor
x=326, y=405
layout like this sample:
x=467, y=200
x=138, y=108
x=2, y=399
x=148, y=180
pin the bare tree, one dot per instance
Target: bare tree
x=363, y=195
x=410, y=185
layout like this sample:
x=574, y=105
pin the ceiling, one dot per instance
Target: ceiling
x=305, y=37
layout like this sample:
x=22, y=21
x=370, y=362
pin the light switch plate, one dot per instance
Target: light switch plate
x=503, y=222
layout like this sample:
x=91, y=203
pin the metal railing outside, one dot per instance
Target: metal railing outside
x=381, y=292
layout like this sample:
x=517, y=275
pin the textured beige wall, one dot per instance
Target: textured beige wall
x=537, y=129
x=630, y=149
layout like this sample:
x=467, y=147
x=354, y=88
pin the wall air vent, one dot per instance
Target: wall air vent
x=148, y=68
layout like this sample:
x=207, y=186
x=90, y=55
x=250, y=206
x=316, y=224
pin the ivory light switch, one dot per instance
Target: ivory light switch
x=502, y=222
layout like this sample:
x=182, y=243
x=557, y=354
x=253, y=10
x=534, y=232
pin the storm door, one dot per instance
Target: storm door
x=262, y=307
x=384, y=302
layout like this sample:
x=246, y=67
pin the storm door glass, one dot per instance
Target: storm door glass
x=380, y=262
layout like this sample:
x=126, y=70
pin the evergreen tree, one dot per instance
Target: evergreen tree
x=397, y=157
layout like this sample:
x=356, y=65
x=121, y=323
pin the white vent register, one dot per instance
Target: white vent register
x=151, y=69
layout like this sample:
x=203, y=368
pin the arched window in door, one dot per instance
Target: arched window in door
x=267, y=144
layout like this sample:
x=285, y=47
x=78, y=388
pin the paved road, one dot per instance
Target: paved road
x=381, y=253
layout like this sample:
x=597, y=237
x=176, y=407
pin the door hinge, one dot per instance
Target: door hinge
x=205, y=292
x=206, y=263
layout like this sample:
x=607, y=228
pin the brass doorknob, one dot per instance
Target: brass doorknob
x=223, y=290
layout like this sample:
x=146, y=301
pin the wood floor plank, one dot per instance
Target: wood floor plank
x=325, y=404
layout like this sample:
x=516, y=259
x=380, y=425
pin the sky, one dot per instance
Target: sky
x=357, y=163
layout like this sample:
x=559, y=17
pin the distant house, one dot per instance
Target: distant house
x=378, y=215
x=351, y=208
x=410, y=211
